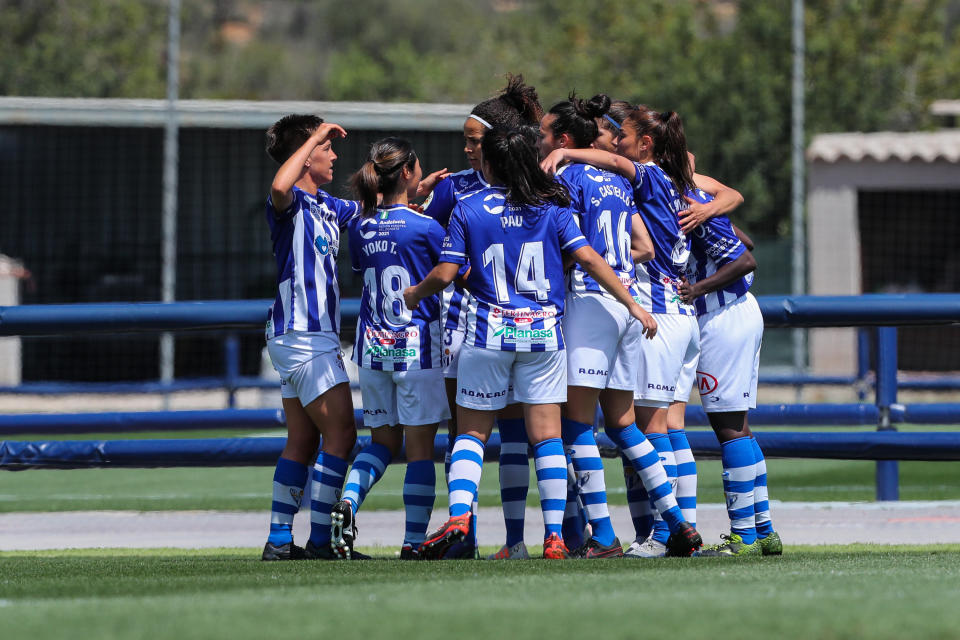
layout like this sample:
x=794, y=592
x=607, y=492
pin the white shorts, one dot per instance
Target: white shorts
x=403, y=397
x=485, y=376
x=662, y=359
x=309, y=364
x=603, y=342
x=730, y=339
x=452, y=341
x=688, y=377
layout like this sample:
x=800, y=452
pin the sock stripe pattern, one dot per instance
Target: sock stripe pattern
x=582, y=447
x=466, y=465
x=637, y=500
x=289, y=479
x=368, y=467
x=761, y=501
x=661, y=442
x=328, y=475
x=551, y=464
x=646, y=462
x=686, y=475
x=419, y=494
x=514, y=476
x=739, y=475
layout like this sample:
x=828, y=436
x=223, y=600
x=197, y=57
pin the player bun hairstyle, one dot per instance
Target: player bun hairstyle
x=577, y=118
x=289, y=133
x=669, y=143
x=618, y=112
x=512, y=157
x=382, y=171
x=516, y=105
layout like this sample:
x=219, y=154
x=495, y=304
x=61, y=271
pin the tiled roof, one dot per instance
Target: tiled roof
x=886, y=145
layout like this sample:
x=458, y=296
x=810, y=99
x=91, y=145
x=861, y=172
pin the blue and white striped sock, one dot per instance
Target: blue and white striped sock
x=551, y=465
x=638, y=501
x=661, y=442
x=466, y=465
x=288, y=481
x=686, y=475
x=582, y=446
x=328, y=475
x=739, y=475
x=646, y=462
x=761, y=501
x=514, y=476
x=419, y=494
x=368, y=467
x=446, y=460
x=573, y=521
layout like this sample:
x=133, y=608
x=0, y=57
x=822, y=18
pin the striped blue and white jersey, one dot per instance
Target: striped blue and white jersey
x=394, y=249
x=603, y=209
x=306, y=240
x=659, y=204
x=439, y=206
x=715, y=244
x=516, y=280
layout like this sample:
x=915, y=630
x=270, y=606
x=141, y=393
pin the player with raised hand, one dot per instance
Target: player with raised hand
x=653, y=157
x=396, y=349
x=516, y=105
x=302, y=331
x=513, y=234
x=718, y=278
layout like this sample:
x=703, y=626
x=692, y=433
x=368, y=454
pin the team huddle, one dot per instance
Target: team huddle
x=581, y=262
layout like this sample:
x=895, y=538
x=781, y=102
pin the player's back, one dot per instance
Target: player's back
x=603, y=206
x=659, y=204
x=516, y=278
x=393, y=249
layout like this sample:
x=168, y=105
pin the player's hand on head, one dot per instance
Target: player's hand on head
x=329, y=131
x=410, y=298
x=430, y=181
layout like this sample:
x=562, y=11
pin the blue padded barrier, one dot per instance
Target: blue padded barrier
x=226, y=452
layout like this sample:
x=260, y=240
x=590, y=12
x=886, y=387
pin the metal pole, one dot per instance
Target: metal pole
x=170, y=162
x=799, y=258
x=888, y=471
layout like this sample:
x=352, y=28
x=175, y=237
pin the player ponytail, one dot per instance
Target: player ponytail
x=512, y=158
x=382, y=171
x=577, y=118
x=516, y=105
x=669, y=143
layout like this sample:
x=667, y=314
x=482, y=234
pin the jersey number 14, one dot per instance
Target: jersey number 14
x=530, y=275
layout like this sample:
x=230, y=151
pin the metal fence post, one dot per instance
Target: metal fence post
x=888, y=471
x=231, y=367
x=864, y=345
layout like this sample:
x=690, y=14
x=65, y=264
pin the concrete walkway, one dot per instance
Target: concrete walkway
x=797, y=523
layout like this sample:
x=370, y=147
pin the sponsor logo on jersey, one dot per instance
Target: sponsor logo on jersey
x=517, y=334
x=368, y=228
x=517, y=314
x=493, y=203
x=322, y=245
x=378, y=352
x=381, y=334
x=706, y=383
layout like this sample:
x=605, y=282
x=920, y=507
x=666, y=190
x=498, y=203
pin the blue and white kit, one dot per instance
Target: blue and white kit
x=517, y=297
x=731, y=325
x=676, y=342
x=603, y=340
x=303, y=323
x=398, y=350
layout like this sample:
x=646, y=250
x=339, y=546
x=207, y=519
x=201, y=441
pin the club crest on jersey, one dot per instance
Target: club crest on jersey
x=681, y=252
x=596, y=178
x=368, y=228
x=496, y=201
x=706, y=383
x=322, y=245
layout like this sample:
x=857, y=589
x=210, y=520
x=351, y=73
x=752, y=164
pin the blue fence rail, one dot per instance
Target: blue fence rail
x=882, y=311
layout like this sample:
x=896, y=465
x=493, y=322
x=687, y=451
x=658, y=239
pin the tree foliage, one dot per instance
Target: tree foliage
x=725, y=66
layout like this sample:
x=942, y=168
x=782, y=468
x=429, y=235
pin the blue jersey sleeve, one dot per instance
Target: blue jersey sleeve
x=642, y=187
x=719, y=241
x=435, y=238
x=344, y=209
x=439, y=205
x=455, y=243
x=569, y=234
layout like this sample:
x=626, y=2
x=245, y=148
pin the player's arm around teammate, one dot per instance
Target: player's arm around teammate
x=303, y=329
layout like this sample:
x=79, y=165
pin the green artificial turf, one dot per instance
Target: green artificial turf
x=826, y=593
